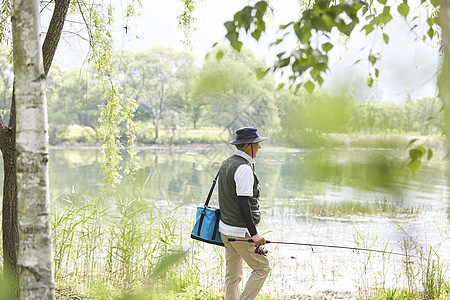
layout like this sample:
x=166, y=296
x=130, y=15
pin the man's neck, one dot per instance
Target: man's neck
x=245, y=155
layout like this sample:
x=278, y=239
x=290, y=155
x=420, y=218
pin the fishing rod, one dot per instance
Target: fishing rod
x=322, y=245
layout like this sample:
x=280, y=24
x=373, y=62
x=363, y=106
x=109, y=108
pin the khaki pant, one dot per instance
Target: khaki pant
x=235, y=254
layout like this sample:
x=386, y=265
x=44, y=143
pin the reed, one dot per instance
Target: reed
x=424, y=275
x=114, y=243
x=379, y=207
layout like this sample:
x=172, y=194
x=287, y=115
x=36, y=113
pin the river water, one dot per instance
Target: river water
x=363, y=198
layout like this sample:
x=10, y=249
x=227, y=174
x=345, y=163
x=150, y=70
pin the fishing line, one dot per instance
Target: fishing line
x=326, y=246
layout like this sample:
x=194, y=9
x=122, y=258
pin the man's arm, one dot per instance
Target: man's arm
x=244, y=206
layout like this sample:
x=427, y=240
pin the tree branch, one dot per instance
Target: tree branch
x=54, y=33
x=46, y=5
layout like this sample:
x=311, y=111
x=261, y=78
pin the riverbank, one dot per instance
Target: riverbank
x=384, y=141
x=68, y=294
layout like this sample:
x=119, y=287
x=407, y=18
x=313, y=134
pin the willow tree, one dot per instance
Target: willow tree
x=34, y=258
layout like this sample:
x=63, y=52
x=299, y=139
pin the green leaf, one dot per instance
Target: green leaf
x=280, y=86
x=368, y=28
x=219, y=55
x=403, y=9
x=431, y=21
x=435, y=3
x=309, y=86
x=386, y=17
x=261, y=72
x=429, y=154
x=414, y=165
x=230, y=26
x=411, y=142
x=377, y=72
x=168, y=261
x=282, y=63
x=417, y=153
x=256, y=34
x=327, y=47
x=238, y=46
x=233, y=38
x=299, y=66
x=382, y=1
x=304, y=34
x=244, y=17
x=370, y=81
x=261, y=7
x=373, y=59
x=277, y=42
x=386, y=38
x=286, y=25
x=430, y=33
x=365, y=9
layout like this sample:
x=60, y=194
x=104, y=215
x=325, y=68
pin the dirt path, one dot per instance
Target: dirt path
x=326, y=295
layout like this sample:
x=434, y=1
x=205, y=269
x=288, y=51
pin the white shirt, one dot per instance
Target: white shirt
x=244, y=187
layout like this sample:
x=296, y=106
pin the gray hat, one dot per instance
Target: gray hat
x=247, y=135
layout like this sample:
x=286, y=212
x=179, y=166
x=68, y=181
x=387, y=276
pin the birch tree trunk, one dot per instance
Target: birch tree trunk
x=34, y=259
x=8, y=149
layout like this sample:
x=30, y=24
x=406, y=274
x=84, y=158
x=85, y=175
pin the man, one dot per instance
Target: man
x=239, y=209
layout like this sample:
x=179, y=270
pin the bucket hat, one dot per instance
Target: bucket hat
x=247, y=135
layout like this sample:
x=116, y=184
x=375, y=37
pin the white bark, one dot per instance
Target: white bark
x=34, y=261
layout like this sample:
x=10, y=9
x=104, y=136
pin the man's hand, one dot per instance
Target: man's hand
x=258, y=240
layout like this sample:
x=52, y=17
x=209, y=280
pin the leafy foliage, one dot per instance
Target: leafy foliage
x=309, y=60
x=186, y=20
x=231, y=94
x=73, y=97
x=319, y=21
x=117, y=109
x=158, y=79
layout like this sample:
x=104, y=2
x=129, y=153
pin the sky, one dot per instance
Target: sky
x=408, y=66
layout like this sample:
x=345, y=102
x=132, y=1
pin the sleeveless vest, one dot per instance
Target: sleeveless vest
x=228, y=200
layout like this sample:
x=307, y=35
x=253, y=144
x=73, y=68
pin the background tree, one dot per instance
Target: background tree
x=156, y=79
x=305, y=118
x=73, y=99
x=231, y=94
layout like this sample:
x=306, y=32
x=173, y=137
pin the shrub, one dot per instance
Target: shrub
x=76, y=134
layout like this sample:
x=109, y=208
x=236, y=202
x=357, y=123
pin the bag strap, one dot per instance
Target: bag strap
x=211, y=190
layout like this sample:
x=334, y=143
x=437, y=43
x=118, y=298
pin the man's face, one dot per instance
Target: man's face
x=248, y=149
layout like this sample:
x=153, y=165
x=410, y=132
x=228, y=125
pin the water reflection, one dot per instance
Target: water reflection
x=287, y=176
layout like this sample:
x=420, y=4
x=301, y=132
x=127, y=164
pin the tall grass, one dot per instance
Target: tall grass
x=424, y=275
x=379, y=207
x=115, y=244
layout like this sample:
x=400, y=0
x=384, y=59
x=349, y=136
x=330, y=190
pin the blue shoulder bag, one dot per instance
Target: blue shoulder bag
x=206, y=228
